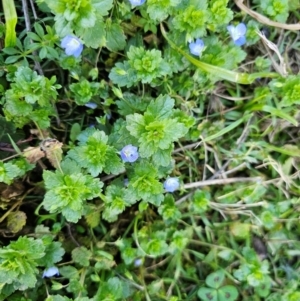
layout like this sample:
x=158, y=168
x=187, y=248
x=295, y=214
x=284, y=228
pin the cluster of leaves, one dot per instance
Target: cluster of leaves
x=20, y=259
x=31, y=98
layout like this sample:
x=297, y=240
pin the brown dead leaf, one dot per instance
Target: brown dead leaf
x=41, y=134
x=33, y=154
x=53, y=151
x=11, y=191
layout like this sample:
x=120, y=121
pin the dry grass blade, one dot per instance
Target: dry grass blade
x=264, y=20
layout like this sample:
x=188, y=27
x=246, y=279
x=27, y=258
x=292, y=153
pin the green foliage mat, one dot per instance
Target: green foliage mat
x=149, y=150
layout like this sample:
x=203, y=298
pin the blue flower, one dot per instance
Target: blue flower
x=72, y=45
x=51, y=272
x=137, y=2
x=171, y=184
x=91, y=105
x=129, y=153
x=138, y=262
x=238, y=33
x=197, y=47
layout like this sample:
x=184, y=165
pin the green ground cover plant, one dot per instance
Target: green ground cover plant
x=149, y=150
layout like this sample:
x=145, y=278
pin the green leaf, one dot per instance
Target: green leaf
x=69, y=272
x=92, y=216
x=180, y=239
x=227, y=293
x=147, y=64
x=113, y=289
x=277, y=10
x=53, y=252
x=9, y=171
x=115, y=38
x=102, y=6
x=75, y=131
x=207, y=294
x=115, y=203
x=240, y=230
x=94, y=37
x=94, y=154
x=156, y=130
x=219, y=14
x=18, y=262
x=11, y=19
x=156, y=247
x=200, y=202
x=131, y=104
x=68, y=193
x=268, y=219
x=215, y=280
x=159, y=10
x=82, y=256
x=57, y=298
x=192, y=19
x=144, y=183
x=30, y=98
x=84, y=91
x=168, y=210
x=161, y=108
x=123, y=75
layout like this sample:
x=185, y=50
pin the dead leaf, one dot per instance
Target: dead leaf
x=41, y=134
x=16, y=221
x=11, y=191
x=53, y=151
x=33, y=154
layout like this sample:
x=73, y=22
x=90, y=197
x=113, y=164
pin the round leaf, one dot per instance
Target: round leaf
x=227, y=293
x=208, y=294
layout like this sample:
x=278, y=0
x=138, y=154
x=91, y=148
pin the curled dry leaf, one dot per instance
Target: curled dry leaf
x=33, y=154
x=53, y=151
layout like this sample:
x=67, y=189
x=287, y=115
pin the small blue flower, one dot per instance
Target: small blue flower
x=91, y=105
x=197, y=47
x=238, y=33
x=72, y=45
x=51, y=272
x=171, y=184
x=126, y=182
x=137, y=2
x=138, y=262
x=129, y=153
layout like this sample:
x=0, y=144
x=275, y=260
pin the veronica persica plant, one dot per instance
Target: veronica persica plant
x=171, y=184
x=197, y=47
x=237, y=33
x=129, y=153
x=137, y=2
x=72, y=45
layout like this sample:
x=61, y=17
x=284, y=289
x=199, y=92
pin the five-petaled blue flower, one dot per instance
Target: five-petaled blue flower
x=238, y=33
x=72, y=45
x=197, y=47
x=129, y=153
x=171, y=184
x=51, y=272
x=137, y=2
